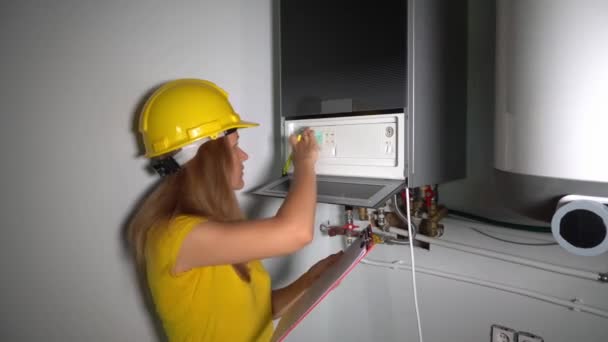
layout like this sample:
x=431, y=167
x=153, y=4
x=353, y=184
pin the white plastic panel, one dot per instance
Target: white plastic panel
x=370, y=146
x=359, y=192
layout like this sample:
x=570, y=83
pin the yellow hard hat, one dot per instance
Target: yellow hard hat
x=185, y=111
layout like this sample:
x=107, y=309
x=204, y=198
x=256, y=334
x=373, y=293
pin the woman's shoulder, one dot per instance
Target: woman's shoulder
x=167, y=236
x=177, y=225
x=185, y=220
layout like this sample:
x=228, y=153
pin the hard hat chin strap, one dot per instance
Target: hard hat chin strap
x=172, y=164
x=188, y=152
x=168, y=165
x=164, y=166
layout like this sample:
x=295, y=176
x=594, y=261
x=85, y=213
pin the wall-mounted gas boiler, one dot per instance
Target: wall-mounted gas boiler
x=383, y=84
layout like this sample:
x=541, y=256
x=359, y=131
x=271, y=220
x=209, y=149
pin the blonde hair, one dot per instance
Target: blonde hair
x=200, y=188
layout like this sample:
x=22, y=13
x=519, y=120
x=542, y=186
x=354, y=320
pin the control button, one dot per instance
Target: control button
x=389, y=131
x=388, y=149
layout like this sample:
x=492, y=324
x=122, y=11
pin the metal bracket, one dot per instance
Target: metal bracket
x=366, y=237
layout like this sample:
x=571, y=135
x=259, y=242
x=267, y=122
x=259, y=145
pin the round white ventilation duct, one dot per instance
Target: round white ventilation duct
x=580, y=224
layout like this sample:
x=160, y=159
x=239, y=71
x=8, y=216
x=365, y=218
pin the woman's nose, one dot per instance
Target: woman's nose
x=244, y=155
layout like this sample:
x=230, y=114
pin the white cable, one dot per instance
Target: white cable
x=502, y=256
x=409, y=230
x=574, y=304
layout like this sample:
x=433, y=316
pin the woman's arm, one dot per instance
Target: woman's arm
x=284, y=298
x=221, y=243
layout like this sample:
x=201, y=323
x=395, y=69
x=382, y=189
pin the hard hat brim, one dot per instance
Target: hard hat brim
x=237, y=125
x=243, y=124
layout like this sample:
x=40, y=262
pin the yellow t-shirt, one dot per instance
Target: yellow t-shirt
x=207, y=303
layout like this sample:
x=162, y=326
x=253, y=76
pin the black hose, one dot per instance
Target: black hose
x=517, y=226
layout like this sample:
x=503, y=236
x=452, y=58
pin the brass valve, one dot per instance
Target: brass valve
x=430, y=226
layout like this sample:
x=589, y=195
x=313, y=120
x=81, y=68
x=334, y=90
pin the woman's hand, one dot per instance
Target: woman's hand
x=282, y=299
x=321, y=266
x=305, y=151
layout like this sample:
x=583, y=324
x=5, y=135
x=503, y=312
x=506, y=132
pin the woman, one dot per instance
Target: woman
x=200, y=255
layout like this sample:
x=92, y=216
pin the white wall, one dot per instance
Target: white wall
x=74, y=75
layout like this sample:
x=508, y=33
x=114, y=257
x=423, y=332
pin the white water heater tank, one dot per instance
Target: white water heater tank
x=552, y=88
x=551, y=122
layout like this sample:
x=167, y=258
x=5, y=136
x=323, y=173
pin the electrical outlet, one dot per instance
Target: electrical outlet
x=523, y=336
x=499, y=333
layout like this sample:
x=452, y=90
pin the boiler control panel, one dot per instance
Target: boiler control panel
x=358, y=146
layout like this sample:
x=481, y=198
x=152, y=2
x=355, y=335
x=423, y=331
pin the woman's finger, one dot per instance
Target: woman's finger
x=293, y=140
